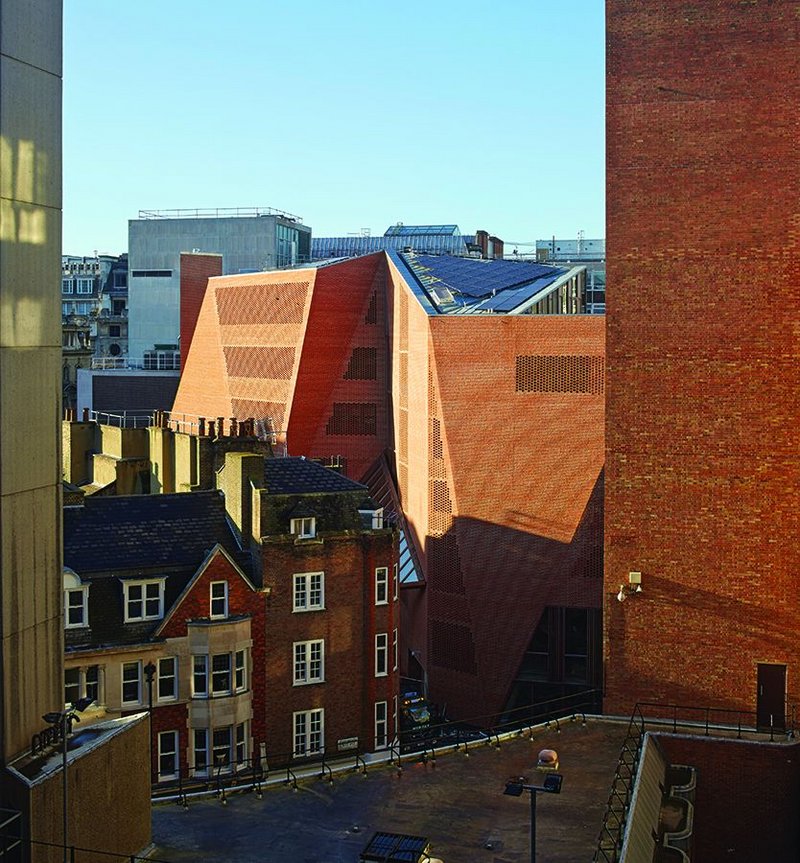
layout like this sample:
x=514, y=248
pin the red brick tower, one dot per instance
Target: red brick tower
x=702, y=475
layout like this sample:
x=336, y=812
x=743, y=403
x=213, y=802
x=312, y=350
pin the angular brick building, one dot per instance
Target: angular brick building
x=469, y=395
x=702, y=407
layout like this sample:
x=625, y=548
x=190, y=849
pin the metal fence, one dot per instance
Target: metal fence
x=704, y=720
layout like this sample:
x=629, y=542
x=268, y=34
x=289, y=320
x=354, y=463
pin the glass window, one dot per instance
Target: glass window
x=394, y=584
x=221, y=673
x=167, y=754
x=167, y=678
x=240, y=670
x=394, y=650
x=381, y=724
x=309, y=732
x=200, y=746
x=72, y=685
x=309, y=662
x=241, y=743
x=200, y=675
x=309, y=592
x=576, y=645
x=219, y=598
x=381, y=585
x=144, y=600
x=222, y=747
x=303, y=528
x=93, y=683
x=131, y=682
x=85, y=286
x=76, y=613
x=66, y=286
x=381, y=654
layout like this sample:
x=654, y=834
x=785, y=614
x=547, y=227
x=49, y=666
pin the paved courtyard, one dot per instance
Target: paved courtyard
x=458, y=804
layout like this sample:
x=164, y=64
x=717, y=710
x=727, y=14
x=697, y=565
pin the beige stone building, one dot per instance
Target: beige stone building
x=31, y=627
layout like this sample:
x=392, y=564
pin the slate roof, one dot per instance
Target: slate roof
x=109, y=534
x=301, y=476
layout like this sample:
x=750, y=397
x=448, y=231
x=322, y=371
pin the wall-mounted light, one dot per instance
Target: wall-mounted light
x=633, y=586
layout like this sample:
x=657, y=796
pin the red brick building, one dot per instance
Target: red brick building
x=470, y=395
x=277, y=642
x=702, y=345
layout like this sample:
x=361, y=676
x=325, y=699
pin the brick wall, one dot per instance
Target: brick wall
x=342, y=388
x=702, y=465
x=741, y=787
x=348, y=626
x=195, y=272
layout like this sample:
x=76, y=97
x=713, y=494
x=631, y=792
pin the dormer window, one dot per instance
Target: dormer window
x=219, y=599
x=303, y=528
x=144, y=600
x=371, y=515
x=76, y=601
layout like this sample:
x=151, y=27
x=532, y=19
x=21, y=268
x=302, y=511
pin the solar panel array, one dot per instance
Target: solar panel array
x=489, y=286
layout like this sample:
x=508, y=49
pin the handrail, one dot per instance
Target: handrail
x=612, y=830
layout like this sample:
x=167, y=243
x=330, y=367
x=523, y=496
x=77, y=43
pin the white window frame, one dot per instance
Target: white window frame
x=304, y=662
x=394, y=718
x=220, y=602
x=394, y=584
x=222, y=765
x=202, y=735
x=220, y=673
x=143, y=584
x=381, y=724
x=381, y=654
x=128, y=665
x=70, y=592
x=85, y=286
x=67, y=286
x=240, y=744
x=240, y=671
x=303, y=734
x=75, y=672
x=381, y=585
x=302, y=592
x=303, y=528
x=394, y=649
x=199, y=669
x=164, y=676
x=163, y=736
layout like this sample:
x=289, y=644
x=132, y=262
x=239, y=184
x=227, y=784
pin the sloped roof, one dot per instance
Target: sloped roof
x=462, y=285
x=301, y=476
x=110, y=534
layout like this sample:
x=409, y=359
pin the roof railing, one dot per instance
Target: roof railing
x=218, y=213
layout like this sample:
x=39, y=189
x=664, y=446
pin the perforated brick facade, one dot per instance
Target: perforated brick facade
x=493, y=425
x=702, y=372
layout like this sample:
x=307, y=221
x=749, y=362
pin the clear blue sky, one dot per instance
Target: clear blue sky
x=349, y=114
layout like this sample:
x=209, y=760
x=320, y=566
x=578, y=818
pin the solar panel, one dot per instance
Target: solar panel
x=476, y=278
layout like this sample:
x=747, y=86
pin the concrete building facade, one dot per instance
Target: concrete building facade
x=702, y=410
x=249, y=239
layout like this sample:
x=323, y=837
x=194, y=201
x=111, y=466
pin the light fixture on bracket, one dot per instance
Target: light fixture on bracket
x=633, y=586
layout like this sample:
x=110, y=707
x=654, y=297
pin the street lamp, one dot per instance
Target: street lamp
x=149, y=674
x=62, y=720
x=548, y=762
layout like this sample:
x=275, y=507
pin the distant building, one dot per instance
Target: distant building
x=93, y=314
x=469, y=395
x=427, y=239
x=249, y=239
x=591, y=253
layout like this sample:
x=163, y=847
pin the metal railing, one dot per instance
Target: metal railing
x=167, y=362
x=410, y=745
x=11, y=845
x=671, y=717
x=217, y=213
